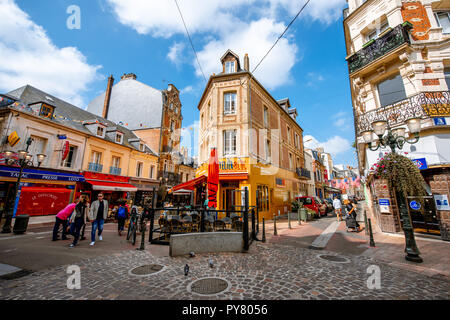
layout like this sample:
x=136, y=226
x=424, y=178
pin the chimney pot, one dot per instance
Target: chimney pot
x=246, y=63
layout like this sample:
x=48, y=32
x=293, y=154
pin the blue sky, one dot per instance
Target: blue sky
x=147, y=38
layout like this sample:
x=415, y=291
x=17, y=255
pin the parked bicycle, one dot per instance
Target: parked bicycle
x=134, y=225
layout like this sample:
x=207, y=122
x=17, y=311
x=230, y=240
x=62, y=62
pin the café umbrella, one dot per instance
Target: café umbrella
x=213, y=178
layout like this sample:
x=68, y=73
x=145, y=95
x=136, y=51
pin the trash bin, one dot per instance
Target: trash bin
x=303, y=214
x=21, y=223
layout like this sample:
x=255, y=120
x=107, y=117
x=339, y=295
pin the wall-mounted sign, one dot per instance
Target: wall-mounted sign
x=61, y=136
x=13, y=139
x=437, y=109
x=439, y=121
x=414, y=205
x=442, y=202
x=385, y=205
x=420, y=163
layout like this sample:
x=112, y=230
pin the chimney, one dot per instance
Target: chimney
x=246, y=63
x=128, y=76
x=107, y=97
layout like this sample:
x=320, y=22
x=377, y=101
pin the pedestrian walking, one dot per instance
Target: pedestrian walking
x=62, y=219
x=337, y=205
x=78, y=218
x=97, y=216
x=122, y=216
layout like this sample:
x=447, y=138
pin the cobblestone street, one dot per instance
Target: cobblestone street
x=267, y=271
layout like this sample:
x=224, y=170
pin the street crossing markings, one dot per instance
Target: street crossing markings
x=322, y=240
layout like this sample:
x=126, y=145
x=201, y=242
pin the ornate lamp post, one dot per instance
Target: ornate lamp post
x=25, y=160
x=396, y=138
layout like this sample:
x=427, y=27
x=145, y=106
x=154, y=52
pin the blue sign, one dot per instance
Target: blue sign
x=13, y=172
x=420, y=163
x=414, y=205
x=384, y=202
x=439, y=121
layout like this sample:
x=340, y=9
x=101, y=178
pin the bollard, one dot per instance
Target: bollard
x=275, y=226
x=372, y=243
x=289, y=220
x=298, y=217
x=143, y=228
x=264, y=232
x=365, y=223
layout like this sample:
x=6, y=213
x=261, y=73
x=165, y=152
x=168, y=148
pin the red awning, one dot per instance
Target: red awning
x=191, y=184
x=40, y=201
x=111, y=186
x=233, y=176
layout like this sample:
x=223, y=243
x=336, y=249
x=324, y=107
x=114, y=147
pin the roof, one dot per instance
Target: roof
x=65, y=113
x=133, y=103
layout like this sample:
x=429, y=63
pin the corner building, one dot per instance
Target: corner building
x=258, y=140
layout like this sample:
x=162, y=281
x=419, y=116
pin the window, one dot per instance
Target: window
x=100, y=131
x=70, y=159
x=373, y=34
x=96, y=157
x=229, y=142
x=187, y=177
x=46, y=111
x=176, y=110
x=230, y=103
x=229, y=67
x=391, y=90
x=291, y=165
x=141, y=147
x=152, y=169
x=447, y=77
x=203, y=121
x=139, y=167
x=119, y=137
x=268, y=151
x=171, y=125
x=288, y=135
x=38, y=145
x=266, y=117
x=115, y=162
x=443, y=19
x=171, y=106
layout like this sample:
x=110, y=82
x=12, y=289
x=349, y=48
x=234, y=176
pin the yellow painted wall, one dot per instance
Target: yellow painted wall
x=148, y=160
x=108, y=150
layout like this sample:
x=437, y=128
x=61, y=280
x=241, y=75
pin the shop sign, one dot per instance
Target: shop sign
x=439, y=121
x=437, y=109
x=414, y=205
x=442, y=202
x=236, y=165
x=12, y=172
x=280, y=182
x=13, y=139
x=385, y=205
x=420, y=163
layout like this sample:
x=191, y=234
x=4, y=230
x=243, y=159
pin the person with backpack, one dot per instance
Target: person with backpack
x=122, y=216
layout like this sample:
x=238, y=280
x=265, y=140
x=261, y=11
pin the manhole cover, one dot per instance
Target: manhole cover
x=208, y=286
x=334, y=258
x=146, y=270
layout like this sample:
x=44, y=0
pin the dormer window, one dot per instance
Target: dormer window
x=46, y=111
x=119, y=137
x=100, y=131
x=142, y=147
x=230, y=67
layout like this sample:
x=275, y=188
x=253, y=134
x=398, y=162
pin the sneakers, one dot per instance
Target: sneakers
x=92, y=243
x=71, y=245
x=100, y=238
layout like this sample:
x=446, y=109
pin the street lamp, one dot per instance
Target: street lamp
x=396, y=138
x=25, y=160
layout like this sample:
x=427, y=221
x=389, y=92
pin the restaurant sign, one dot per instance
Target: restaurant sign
x=437, y=109
x=232, y=165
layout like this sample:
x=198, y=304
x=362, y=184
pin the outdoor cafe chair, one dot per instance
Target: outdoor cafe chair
x=163, y=225
x=187, y=223
x=237, y=225
x=219, y=225
x=176, y=226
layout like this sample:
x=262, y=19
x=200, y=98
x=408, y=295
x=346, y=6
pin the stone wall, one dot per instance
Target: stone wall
x=388, y=222
x=205, y=242
x=441, y=185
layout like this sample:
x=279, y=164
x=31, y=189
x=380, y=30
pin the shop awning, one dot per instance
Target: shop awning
x=190, y=185
x=13, y=172
x=233, y=176
x=182, y=192
x=111, y=186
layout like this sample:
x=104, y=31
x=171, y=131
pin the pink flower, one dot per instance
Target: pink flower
x=406, y=152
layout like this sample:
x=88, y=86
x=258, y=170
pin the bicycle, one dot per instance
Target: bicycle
x=133, y=226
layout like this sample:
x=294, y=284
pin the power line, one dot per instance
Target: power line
x=190, y=40
x=285, y=30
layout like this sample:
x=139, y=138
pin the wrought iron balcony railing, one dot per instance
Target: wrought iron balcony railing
x=115, y=170
x=302, y=172
x=422, y=105
x=96, y=167
x=379, y=47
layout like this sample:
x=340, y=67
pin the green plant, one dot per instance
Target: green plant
x=295, y=206
x=401, y=173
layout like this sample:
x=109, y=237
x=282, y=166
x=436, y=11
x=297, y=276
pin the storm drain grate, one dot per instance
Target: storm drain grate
x=16, y=275
x=146, y=270
x=208, y=286
x=333, y=258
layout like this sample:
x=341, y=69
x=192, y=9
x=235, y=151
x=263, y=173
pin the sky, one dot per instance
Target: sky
x=68, y=48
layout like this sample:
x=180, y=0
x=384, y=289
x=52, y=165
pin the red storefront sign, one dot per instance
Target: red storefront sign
x=104, y=177
x=40, y=201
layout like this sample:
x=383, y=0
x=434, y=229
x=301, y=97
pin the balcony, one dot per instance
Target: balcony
x=302, y=172
x=375, y=49
x=95, y=167
x=422, y=105
x=114, y=170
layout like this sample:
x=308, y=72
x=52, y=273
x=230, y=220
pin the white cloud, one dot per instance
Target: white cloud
x=342, y=121
x=335, y=145
x=255, y=39
x=175, y=53
x=314, y=79
x=187, y=90
x=28, y=56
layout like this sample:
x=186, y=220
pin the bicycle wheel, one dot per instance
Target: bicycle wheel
x=133, y=239
x=130, y=228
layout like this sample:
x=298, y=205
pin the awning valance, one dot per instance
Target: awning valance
x=111, y=186
x=233, y=176
x=191, y=184
x=13, y=172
